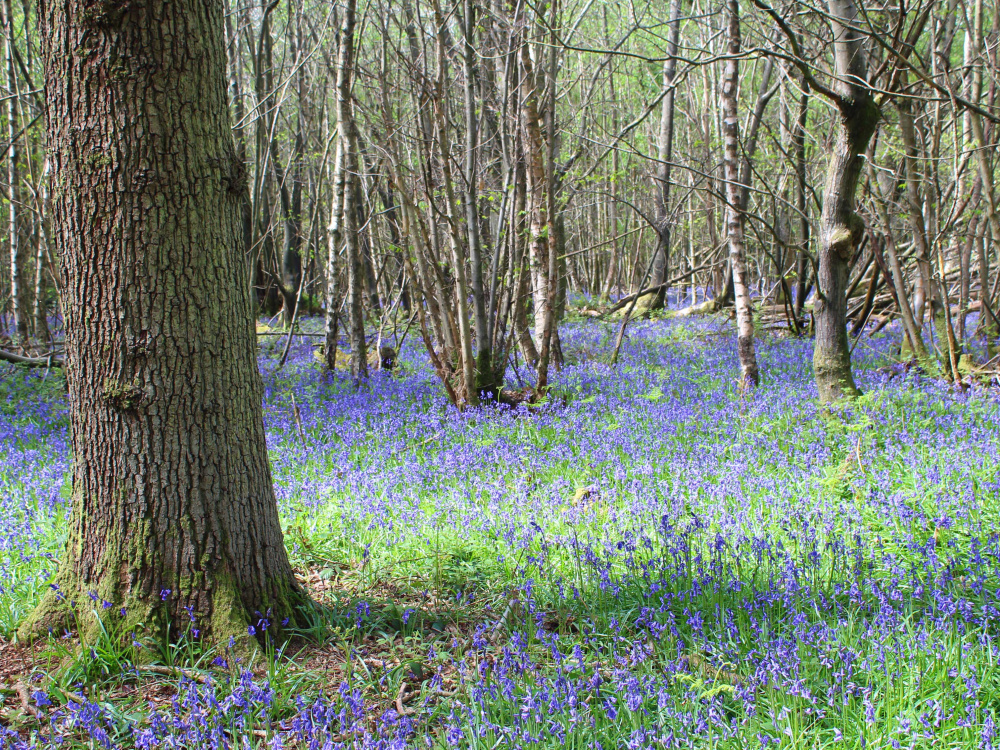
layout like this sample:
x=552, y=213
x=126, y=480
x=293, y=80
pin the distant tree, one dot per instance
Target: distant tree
x=174, y=510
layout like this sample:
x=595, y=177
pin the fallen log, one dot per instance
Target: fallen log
x=654, y=289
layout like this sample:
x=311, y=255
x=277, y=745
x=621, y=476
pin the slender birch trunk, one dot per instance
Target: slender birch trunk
x=749, y=373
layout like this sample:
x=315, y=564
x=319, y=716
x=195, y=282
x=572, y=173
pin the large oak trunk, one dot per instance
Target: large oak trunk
x=172, y=488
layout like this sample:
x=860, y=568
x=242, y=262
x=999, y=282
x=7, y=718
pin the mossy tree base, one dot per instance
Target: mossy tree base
x=174, y=513
x=93, y=612
x=834, y=380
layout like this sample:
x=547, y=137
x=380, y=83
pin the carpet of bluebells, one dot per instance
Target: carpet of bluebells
x=654, y=559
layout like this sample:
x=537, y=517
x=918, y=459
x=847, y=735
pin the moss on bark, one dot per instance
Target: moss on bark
x=833, y=376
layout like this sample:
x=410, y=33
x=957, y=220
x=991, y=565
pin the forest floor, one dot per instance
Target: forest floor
x=648, y=559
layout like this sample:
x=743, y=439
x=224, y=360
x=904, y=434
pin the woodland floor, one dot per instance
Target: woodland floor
x=648, y=559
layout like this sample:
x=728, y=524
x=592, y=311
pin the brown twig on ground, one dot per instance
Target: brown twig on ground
x=22, y=693
x=400, y=708
x=176, y=672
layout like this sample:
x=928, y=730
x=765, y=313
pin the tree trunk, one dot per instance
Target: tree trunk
x=802, y=267
x=332, y=316
x=291, y=221
x=611, y=276
x=986, y=175
x=521, y=266
x=735, y=197
x=484, y=355
x=173, y=505
x=910, y=328
x=841, y=228
x=41, y=295
x=467, y=362
x=540, y=234
x=665, y=147
x=915, y=212
x=965, y=282
x=348, y=139
x=18, y=273
x=915, y=218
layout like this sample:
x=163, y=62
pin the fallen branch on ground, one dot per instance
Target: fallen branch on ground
x=654, y=289
x=48, y=360
x=22, y=693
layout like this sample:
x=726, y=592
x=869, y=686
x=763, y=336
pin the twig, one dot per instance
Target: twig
x=502, y=622
x=22, y=693
x=399, y=346
x=298, y=419
x=403, y=711
x=175, y=671
x=400, y=708
x=291, y=325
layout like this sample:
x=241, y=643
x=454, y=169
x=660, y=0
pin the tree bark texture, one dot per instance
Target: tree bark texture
x=841, y=228
x=735, y=198
x=172, y=487
x=542, y=234
x=349, y=143
x=484, y=383
x=802, y=269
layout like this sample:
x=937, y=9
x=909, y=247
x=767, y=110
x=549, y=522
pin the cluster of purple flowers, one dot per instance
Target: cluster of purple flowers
x=237, y=715
x=672, y=563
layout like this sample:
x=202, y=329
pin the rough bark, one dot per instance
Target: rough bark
x=172, y=488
